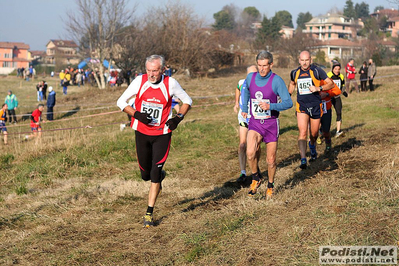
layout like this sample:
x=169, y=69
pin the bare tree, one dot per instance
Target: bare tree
x=175, y=32
x=293, y=46
x=184, y=41
x=98, y=22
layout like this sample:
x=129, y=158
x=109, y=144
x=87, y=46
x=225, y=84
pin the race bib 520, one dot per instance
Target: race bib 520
x=154, y=110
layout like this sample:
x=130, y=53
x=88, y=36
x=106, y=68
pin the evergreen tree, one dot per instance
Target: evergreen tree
x=284, y=18
x=362, y=10
x=349, y=10
x=377, y=8
x=252, y=13
x=302, y=19
x=224, y=20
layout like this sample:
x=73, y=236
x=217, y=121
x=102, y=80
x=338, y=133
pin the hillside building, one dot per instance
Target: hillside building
x=13, y=55
x=332, y=27
x=61, y=52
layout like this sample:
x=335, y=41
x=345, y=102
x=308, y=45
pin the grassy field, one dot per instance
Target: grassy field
x=76, y=196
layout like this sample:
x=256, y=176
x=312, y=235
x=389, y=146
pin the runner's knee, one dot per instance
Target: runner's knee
x=271, y=162
x=145, y=175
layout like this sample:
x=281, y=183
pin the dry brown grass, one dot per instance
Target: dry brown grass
x=86, y=217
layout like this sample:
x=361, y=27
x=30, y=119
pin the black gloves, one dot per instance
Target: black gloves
x=174, y=122
x=143, y=117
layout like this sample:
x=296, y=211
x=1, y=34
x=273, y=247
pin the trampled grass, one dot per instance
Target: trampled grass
x=76, y=196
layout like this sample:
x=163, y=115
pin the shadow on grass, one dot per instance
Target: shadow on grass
x=286, y=129
x=70, y=113
x=325, y=162
x=348, y=129
x=227, y=190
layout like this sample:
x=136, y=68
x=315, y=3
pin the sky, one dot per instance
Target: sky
x=36, y=22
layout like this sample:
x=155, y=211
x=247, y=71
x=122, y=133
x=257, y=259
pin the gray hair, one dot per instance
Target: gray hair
x=154, y=57
x=264, y=55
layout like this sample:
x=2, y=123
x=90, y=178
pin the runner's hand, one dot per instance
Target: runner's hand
x=173, y=122
x=143, y=117
x=236, y=108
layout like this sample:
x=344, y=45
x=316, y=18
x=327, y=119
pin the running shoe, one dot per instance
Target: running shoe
x=313, y=152
x=328, y=149
x=339, y=133
x=148, y=220
x=242, y=178
x=304, y=164
x=254, y=187
x=269, y=193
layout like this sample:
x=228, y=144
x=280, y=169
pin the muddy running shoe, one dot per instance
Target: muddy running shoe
x=269, y=193
x=313, y=152
x=242, y=178
x=148, y=220
x=304, y=164
x=338, y=134
x=328, y=149
x=254, y=187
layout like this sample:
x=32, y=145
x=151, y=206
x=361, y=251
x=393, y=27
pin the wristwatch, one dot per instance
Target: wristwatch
x=180, y=115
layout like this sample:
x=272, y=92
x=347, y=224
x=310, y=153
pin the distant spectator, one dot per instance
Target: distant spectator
x=39, y=91
x=168, y=71
x=3, y=116
x=87, y=75
x=12, y=103
x=350, y=75
x=119, y=80
x=31, y=72
x=44, y=90
x=65, y=84
x=50, y=104
x=372, y=71
x=363, y=76
x=22, y=72
x=27, y=74
x=68, y=77
x=62, y=76
x=78, y=79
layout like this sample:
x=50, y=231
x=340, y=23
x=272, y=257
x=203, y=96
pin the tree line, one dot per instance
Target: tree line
x=108, y=29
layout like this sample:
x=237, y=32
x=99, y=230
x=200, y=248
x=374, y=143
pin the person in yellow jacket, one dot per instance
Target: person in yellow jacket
x=62, y=76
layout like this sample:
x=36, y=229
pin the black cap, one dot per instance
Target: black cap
x=335, y=63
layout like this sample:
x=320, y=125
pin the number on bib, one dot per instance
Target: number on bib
x=154, y=110
x=303, y=86
x=257, y=111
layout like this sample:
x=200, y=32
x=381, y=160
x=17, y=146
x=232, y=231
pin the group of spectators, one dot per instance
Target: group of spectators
x=26, y=73
x=367, y=73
